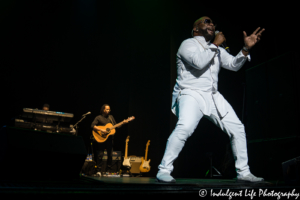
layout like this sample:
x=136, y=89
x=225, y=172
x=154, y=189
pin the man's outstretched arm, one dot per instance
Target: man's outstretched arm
x=234, y=63
x=251, y=40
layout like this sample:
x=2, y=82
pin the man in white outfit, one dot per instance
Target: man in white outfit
x=196, y=95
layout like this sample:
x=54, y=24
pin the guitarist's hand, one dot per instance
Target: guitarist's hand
x=103, y=131
x=99, y=129
x=125, y=121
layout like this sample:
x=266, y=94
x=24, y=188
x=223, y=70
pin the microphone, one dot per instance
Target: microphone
x=224, y=45
x=86, y=113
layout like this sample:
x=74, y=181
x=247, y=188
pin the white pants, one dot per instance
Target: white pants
x=189, y=116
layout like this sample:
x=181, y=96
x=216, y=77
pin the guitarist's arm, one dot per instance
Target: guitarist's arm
x=99, y=129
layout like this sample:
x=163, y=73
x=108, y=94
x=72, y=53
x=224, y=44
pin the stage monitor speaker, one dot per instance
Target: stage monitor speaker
x=115, y=162
x=29, y=154
x=291, y=171
x=135, y=164
x=115, y=166
x=116, y=155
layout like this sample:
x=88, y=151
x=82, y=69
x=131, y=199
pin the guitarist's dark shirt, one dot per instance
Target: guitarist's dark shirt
x=100, y=120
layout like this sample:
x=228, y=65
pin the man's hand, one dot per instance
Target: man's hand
x=103, y=131
x=252, y=39
x=219, y=39
x=100, y=129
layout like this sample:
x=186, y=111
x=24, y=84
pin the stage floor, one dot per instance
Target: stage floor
x=134, y=187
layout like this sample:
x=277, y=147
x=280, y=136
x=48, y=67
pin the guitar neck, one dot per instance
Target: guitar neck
x=126, y=148
x=117, y=125
x=121, y=123
x=126, y=151
x=146, y=154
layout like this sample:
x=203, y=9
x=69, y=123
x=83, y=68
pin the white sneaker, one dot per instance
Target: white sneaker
x=164, y=177
x=249, y=178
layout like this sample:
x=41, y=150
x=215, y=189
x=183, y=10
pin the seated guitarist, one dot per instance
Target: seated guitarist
x=101, y=120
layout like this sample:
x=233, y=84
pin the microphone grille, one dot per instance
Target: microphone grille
x=216, y=32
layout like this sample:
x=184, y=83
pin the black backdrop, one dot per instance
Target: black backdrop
x=78, y=55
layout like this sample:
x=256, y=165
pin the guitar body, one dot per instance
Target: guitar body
x=102, y=137
x=145, y=167
x=126, y=162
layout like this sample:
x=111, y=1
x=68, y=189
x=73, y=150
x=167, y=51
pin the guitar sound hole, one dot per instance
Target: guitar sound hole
x=108, y=130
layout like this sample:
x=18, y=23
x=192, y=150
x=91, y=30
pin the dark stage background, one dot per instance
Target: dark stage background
x=78, y=55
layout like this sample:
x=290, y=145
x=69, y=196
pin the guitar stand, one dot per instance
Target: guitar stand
x=128, y=171
x=210, y=171
x=139, y=175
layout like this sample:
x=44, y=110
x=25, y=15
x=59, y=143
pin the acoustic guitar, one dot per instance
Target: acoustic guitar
x=102, y=137
x=126, y=161
x=145, y=167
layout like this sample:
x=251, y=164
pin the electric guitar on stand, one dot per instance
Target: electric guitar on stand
x=126, y=161
x=145, y=167
x=110, y=129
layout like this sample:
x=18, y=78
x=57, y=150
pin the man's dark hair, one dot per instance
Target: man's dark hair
x=102, y=108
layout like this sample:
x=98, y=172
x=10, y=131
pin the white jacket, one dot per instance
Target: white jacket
x=198, y=66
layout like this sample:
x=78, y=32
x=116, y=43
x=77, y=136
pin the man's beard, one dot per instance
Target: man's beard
x=207, y=36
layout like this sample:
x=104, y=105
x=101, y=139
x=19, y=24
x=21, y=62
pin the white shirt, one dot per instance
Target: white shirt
x=198, y=66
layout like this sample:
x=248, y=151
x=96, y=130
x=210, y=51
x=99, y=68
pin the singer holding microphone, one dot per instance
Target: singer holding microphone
x=196, y=95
